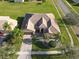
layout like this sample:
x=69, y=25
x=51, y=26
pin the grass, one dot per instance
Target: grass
x=75, y=39
x=74, y=36
x=19, y=9
x=64, y=36
x=50, y=57
x=37, y=48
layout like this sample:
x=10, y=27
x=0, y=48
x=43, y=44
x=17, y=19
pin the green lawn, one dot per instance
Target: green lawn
x=76, y=8
x=75, y=38
x=19, y=9
x=50, y=57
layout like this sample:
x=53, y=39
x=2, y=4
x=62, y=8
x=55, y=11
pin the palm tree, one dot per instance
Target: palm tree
x=17, y=34
x=6, y=27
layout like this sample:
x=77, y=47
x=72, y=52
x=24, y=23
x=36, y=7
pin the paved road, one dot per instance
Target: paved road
x=66, y=11
x=64, y=8
x=26, y=47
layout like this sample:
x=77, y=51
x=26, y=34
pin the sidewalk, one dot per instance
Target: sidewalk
x=41, y=52
x=26, y=47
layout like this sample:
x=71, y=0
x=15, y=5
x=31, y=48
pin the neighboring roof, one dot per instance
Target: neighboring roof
x=31, y=21
x=10, y=21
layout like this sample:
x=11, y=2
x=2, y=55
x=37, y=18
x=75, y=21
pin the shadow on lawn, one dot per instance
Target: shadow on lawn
x=42, y=45
x=71, y=19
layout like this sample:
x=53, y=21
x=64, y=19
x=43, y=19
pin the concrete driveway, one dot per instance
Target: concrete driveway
x=26, y=47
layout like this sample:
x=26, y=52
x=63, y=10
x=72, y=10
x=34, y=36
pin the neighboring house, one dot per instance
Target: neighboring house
x=40, y=23
x=7, y=19
x=76, y=1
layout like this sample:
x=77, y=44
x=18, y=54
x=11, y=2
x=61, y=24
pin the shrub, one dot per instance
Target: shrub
x=52, y=44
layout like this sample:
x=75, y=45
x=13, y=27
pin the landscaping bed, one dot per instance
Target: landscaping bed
x=44, y=46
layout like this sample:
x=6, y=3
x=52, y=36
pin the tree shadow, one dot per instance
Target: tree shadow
x=42, y=45
x=20, y=20
x=27, y=41
x=71, y=19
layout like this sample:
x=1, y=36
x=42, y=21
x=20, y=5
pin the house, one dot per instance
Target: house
x=76, y=1
x=40, y=23
x=7, y=19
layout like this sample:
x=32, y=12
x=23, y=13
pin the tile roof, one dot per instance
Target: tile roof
x=4, y=19
x=40, y=20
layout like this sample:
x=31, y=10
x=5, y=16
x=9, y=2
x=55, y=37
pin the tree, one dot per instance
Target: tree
x=43, y=0
x=16, y=35
x=6, y=26
x=6, y=52
x=71, y=19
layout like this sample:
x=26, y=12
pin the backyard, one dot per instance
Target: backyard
x=16, y=10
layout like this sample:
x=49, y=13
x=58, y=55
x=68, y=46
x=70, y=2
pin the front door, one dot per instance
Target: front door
x=42, y=30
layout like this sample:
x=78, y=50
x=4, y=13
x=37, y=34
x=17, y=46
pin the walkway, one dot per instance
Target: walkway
x=41, y=52
x=26, y=47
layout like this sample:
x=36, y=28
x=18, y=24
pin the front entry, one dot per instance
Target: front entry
x=42, y=30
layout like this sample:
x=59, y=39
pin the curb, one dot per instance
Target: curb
x=72, y=7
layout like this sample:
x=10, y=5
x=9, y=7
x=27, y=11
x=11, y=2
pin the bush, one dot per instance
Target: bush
x=42, y=44
x=52, y=44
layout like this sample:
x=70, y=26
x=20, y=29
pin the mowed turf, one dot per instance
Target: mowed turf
x=19, y=9
x=76, y=8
